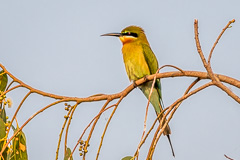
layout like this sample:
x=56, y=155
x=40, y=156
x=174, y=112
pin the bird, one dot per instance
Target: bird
x=140, y=61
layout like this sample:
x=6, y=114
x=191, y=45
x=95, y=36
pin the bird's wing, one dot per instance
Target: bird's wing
x=153, y=67
x=150, y=59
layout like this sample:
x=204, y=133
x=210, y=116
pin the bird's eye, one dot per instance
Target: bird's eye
x=134, y=34
x=130, y=34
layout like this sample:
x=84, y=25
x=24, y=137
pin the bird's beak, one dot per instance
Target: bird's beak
x=112, y=34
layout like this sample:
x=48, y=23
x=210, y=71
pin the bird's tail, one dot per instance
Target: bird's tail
x=168, y=136
x=167, y=132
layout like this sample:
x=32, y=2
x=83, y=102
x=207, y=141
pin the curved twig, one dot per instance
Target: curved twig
x=105, y=129
x=25, y=123
x=68, y=124
x=16, y=112
x=157, y=135
x=94, y=124
x=60, y=135
x=80, y=138
x=220, y=35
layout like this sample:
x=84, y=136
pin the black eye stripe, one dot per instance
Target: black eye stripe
x=130, y=34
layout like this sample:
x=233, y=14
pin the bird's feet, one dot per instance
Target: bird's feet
x=145, y=78
x=134, y=84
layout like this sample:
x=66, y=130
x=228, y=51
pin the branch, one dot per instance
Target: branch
x=105, y=129
x=35, y=114
x=228, y=157
x=100, y=97
x=157, y=135
x=213, y=77
x=15, y=114
x=220, y=35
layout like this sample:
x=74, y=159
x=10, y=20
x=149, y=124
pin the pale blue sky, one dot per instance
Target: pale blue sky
x=55, y=46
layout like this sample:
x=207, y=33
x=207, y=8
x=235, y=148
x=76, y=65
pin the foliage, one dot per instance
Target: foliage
x=18, y=150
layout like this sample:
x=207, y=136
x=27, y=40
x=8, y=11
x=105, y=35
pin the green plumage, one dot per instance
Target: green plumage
x=140, y=61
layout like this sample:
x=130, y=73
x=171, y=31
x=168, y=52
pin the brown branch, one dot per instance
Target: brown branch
x=220, y=35
x=146, y=113
x=201, y=75
x=25, y=123
x=69, y=121
x=199, y=49
x=167, y=65
x=88, y=127
x=200, y=52
x=105, y=129
x=95, y=122
x=33, y=90
x=149, y=131
x=6, y=91
x=157, y=135
x=228, y=157
x=16, y=112
x=176, y=106
x=9, y=85
x=60, y=135
x=213, y=77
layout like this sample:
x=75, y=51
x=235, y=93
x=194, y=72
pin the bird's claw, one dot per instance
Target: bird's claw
x=134, y=84
x=145, y=78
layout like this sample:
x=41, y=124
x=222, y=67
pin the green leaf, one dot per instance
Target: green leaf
x=67, y=155
x=3, y=81
x=2, y=137
x=2, y=129
x=19, y=146
x=128, y=158
x=3, y=114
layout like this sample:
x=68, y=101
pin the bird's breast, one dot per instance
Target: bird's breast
x=135, y=62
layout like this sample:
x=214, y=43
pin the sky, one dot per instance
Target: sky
x=55, y=46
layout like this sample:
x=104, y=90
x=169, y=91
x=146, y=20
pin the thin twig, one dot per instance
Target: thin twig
x=105, y=129
x=60, y=135
x=26, y=122
x=150, y=94
x=69, y=121
x=220, y=35
x=228, y=157
x=199, y=49
x=213, y=76
x=94, y=124
x=168, y=65
x=149, y=131
x=9, y=85
x=80, y=138
x=191, y=85
x=154, y=143
x=6, y=91
x=16, y=112
x=177, y=105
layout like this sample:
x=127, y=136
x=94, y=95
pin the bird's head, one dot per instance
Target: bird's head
x=130, y=34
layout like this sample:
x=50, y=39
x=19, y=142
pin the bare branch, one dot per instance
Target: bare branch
x=16, y=112
x=69, y=121
x=60, y=135
x=25, y=123
x=105, y=129
x=228, y=157
x=220, y=35
x=160, y=127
